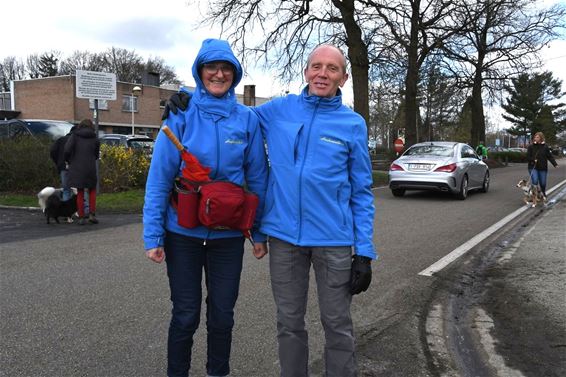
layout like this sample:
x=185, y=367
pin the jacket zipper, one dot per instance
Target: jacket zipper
x=217, y=166
x=301, y=173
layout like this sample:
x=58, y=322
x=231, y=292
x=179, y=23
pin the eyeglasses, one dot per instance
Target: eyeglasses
x=212, y=68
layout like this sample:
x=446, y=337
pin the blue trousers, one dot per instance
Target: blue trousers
x=65, y=185
x=538, y=177
x=221, y=261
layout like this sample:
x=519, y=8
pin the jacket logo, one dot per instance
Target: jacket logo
x=331, y=140
x=233, y=141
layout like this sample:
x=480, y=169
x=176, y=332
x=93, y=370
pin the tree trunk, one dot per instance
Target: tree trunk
x=411, y=80
x=358, y=56
x=478, y=117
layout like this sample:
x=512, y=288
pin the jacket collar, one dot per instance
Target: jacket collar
x=324, y=103
x=214, y=105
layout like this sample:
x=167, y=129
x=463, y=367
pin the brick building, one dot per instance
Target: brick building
x=54, y=98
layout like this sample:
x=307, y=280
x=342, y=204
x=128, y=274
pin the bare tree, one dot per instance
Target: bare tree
x=32, y=66
x=82, y=60
x=416, y=28
x=127, y=65
x=11, y=68
x=501, y=41
x=167, y=74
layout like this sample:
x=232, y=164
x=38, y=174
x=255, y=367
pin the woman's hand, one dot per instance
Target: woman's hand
x=260, y=249
x=157, y=254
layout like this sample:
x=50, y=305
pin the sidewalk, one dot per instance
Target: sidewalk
x=521, y=319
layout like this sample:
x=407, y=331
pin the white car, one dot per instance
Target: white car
x=440, y=166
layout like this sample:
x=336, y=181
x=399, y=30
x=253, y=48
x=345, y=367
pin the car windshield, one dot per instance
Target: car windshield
x=49, y=128
x=430, y=150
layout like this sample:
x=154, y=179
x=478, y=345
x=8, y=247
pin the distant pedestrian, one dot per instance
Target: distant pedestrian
x=57, y=153
x=82, y=149
x=538, y=155
x=481, y=150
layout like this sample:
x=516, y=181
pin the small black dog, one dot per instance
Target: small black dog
x=55, y=207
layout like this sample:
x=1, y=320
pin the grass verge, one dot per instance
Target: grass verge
x=130, y=201
x=125, y=201
x=380, y=178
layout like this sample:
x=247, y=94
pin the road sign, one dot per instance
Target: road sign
x=96, y=85
x=398, y=145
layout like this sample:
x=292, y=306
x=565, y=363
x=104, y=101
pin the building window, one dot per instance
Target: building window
x=129, y=103
x=5, y=101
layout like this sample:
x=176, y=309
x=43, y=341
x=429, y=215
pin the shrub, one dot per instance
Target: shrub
x=122, y=168
x=508, y=156
x=25, y=165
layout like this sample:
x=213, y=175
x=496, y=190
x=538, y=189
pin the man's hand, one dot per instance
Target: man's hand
x=178, y=101
x=260, y=249
x=360, y=275
x=157, y=254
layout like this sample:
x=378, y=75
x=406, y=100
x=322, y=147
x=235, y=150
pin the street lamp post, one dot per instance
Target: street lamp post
x=136, y=91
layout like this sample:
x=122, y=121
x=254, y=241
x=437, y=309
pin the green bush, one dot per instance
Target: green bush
x=517, y=157
x=25, y=166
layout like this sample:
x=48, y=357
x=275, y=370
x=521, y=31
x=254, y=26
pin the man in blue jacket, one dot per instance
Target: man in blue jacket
x=318, y=206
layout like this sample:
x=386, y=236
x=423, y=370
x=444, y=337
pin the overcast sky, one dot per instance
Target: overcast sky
x=152, y=28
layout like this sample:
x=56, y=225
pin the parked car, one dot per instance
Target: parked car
x=441, y=166
x=521, y=150
x=138, y=142
x=53, y=129
x=497, y=149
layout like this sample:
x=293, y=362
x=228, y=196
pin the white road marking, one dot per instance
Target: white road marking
x=468, y=245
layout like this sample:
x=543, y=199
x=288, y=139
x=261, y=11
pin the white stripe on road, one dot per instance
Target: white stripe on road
x=467, y=246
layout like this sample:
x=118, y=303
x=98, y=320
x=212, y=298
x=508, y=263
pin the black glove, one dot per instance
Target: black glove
x=360, y=275
x=178, y=101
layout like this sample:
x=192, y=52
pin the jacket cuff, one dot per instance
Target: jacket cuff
x=259, y=236
x=152, y=243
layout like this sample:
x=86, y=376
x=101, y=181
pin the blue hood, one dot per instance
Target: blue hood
x=214, y=50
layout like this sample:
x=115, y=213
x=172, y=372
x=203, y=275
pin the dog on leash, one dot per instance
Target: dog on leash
x=54, y=207
x=532, y=193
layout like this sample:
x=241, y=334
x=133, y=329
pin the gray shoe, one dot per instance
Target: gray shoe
x=82, y=221
x=92, y=218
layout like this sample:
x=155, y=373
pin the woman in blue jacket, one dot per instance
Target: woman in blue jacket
x=225, y=136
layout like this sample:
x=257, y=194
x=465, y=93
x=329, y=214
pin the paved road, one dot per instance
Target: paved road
x=83, y=301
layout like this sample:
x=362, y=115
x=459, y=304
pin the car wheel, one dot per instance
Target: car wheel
x=485, y=186
x=463, y=194
x=398, y=192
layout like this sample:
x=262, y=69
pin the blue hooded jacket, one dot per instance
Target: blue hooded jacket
x=319, y=190
x=223, y=134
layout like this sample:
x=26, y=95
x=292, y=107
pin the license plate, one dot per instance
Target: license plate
x=419, y=167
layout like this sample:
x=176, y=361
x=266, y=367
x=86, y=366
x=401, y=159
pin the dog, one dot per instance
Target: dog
x=532, y=193
x=54, y=207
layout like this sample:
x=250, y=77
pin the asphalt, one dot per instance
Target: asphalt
x=504, y=314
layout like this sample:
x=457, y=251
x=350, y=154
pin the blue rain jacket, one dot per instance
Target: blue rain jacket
x=222, y=134
x=319, y=190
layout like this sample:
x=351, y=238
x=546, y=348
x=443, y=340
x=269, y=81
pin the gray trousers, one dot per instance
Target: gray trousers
x=289, y=268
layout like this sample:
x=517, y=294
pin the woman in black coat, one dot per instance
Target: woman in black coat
x=538, y=155
x=81, y=152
